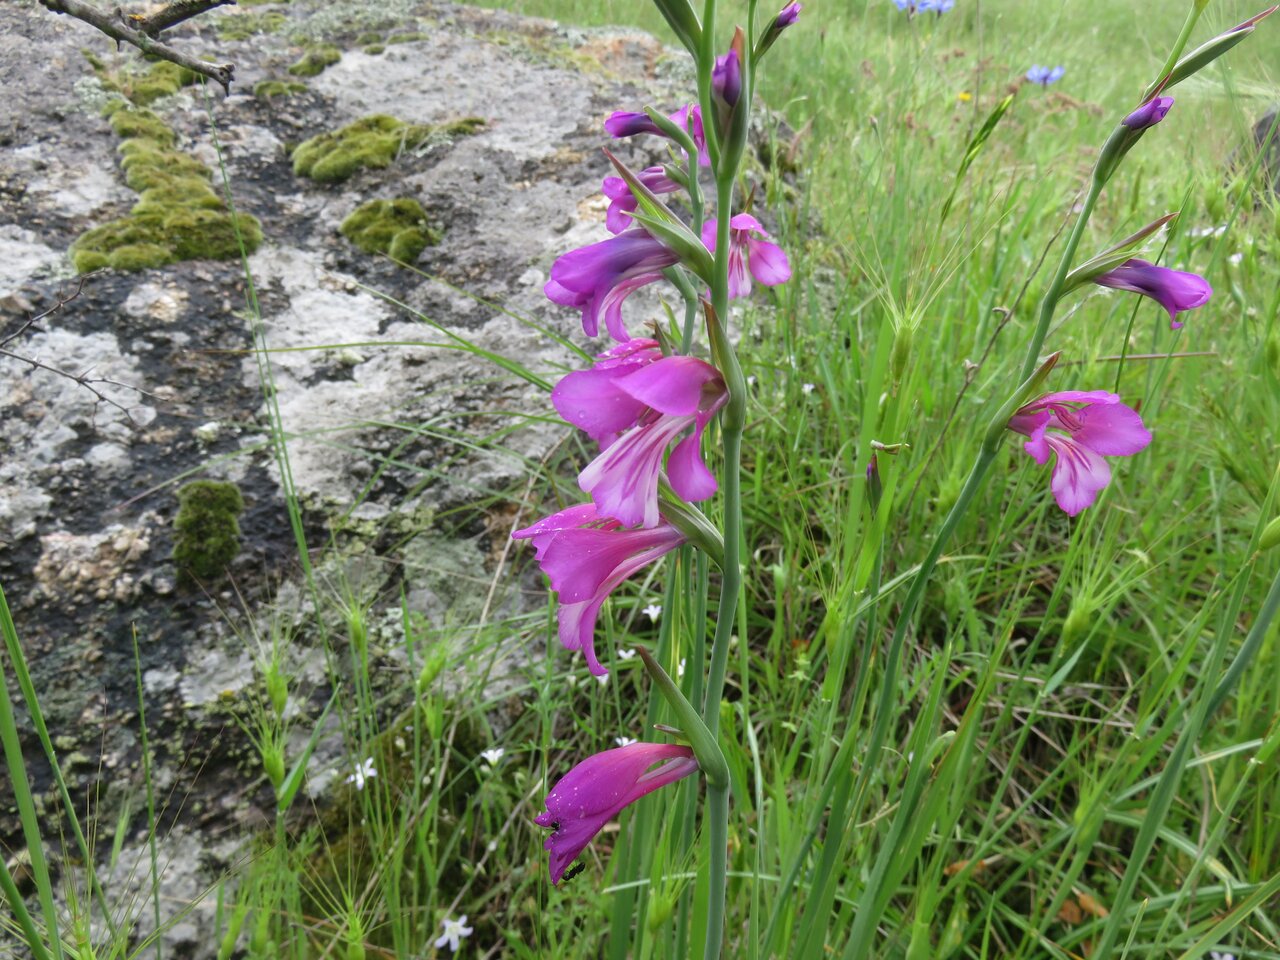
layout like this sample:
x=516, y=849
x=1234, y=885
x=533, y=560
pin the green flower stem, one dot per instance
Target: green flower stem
x=1050, y=303
x=732, y=422
x=1197, y=8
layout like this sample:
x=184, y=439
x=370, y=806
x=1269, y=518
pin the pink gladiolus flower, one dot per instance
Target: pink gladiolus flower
x=1174, y=290
x=596, y=279
x=1079, y=427
x=1149, y=114
x=747, y=252
x=597, y=789
x=586, y=556
x=624, y=201
x=593, y=400
x=627, y=124
x=665, y=397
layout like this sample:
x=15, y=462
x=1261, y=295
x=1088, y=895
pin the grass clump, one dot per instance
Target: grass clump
x=207, y=528
x=371, y=142
x=267, y=89
x=246, y=25
x=316, y=61
x=397, y=228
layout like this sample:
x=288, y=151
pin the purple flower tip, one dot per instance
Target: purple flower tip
x=1078, y=428
x=623, y=123
x=726, y=79
x=788, y=15
x=597, y=789
x=1175, y=290
x=1149, y=114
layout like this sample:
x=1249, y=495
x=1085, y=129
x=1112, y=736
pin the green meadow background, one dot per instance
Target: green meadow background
x=1037, y=772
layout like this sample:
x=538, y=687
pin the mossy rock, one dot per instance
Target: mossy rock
x=246, y=25
x=408, y=37
x=374, y=49
x=163, y=80
x=316, y=61
x=207, y=528
x=367, y=38
x=131, y=124
x=397, y=228
x=371, y=142
x=155, y=235
x=267, y=89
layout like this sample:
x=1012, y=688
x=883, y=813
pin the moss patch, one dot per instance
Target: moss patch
x=160, y=79
x=374, y=49
x=245, y=25
x=207, y=528
x=178, y=216
x=316, y=60
x=266, y=89
x=371, y=142
x=408, y=37
x=397, y=228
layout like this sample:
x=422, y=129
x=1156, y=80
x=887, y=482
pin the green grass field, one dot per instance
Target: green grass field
x=1036, y=772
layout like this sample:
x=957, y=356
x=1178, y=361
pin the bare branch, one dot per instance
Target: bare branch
x=83, y=380
x=173, y=14
x=62, y=302
x=118, y=29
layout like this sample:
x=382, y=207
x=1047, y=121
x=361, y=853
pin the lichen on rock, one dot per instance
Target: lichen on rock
x=372, y=142
x=398, y=228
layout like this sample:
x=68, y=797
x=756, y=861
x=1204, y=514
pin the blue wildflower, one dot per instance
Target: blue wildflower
x=1045, y=75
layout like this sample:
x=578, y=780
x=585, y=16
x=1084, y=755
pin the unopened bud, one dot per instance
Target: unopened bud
x=902, y=340
x=660, y=910
x=1270, y=536
x=277, y=688
x=1079, y=620
x=433, y=664
x=273, y=764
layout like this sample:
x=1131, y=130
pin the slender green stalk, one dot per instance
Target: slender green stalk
x=1050, y=303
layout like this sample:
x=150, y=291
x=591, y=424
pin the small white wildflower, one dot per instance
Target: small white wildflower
x=680, y=669
x=603, y=678
x=1235, y=260
x=751, y=380
x=624, y=741
x=653, y=611
x=363, y=772
x=807, y=389
x=1221, y=955
x=491, y=846
x=626, y=654
x=492, y=755
x=454, y=931
x=572, y=679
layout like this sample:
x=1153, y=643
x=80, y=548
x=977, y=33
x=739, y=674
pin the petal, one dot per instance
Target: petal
x=769, y=264
x=1078, y=474
x=623, y=480
x=744, y=221
x=686, y=470
x=1114, y=430
x=674, y=385
x=595, y=401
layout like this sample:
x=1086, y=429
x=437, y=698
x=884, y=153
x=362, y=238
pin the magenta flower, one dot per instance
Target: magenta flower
x=788, y=15
x=747, y=252
x=665, y=397
x=627, y=124
x=586, y=556
x=1079, y=427
x=597, y=789
x=1174, y=290
x=593, y=400
x=596, y=279
x=726, y=80
x=624, y=201
x=1149, y=114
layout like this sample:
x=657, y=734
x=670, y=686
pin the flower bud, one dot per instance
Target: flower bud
x=1149, y=114
x=433, y=664
x=786, y=17
x=273, y=764
x=661, y=907
x=1270, y=536
x=277, y=685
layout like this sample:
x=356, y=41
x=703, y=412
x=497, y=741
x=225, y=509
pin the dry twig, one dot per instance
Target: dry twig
x=142, y=32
